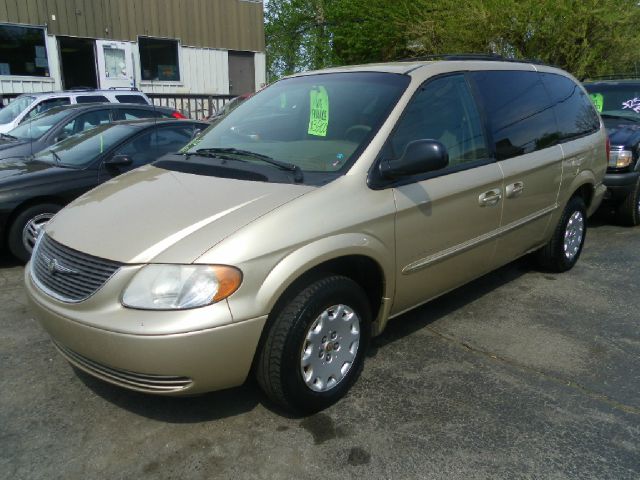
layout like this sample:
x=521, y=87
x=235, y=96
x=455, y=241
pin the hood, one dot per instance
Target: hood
x=624, y=135
x=158, y=215
x=14, y=148
x=19, y=167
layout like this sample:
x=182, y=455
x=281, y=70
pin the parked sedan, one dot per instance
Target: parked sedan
x=34, y=188
x=61, y=122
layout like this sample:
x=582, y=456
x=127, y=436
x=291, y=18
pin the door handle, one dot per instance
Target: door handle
x=490, y=198
x=514, y=189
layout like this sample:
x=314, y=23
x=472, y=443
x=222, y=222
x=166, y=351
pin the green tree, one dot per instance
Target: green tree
x=586, y=37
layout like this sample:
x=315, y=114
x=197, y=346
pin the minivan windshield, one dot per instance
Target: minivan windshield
x=316, y=124
x=621, y=100
x=9, y=113
x=83, y=148
x=36, y=128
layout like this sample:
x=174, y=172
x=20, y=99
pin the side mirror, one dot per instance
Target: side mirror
x=118, y=161
x=62, y=136
x=420, y=156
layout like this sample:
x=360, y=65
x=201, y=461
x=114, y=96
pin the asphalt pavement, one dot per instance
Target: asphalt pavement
x=520, y=374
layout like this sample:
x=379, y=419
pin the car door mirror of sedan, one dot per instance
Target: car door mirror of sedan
x=118, y=161
x=62, y=136
x=420, y=156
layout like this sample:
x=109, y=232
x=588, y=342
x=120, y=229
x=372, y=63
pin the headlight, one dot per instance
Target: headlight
x=175, y=287
x=620, y=158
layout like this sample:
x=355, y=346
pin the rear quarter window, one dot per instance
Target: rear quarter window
x=519, y=111
x=574, y=111
x=131, y=99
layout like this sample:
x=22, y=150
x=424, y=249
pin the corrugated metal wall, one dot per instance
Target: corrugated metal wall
x=225, y=24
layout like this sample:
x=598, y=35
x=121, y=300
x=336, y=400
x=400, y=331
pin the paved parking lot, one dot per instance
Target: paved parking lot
x=520, y=374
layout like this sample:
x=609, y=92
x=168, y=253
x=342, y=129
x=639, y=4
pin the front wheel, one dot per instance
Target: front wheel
x=628, y=212
x=314, y=349
x=564, y=248
x=26, y=227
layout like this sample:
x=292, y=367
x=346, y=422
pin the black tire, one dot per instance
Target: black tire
x=552, y=256
x=278, y=368
x=628, y=212
x=14, y=237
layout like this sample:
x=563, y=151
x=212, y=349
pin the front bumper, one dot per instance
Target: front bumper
x=169, y=364
x=620, y=185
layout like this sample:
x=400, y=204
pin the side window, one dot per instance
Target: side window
x=131, y=99
x=172, y=139
x=141, y=149
x=574, y=111
x=86, y=121
x=91, y=99
x=132, y=113
x=45, y=105
x=443, y=110
x=519, y=111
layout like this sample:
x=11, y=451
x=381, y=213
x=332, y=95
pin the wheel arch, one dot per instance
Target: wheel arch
x=33, y=201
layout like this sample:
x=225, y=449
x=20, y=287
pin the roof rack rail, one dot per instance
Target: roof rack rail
x=472, y=56
x=128, y=89
x=614, y=76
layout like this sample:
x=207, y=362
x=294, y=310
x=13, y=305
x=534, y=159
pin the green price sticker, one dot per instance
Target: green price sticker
x=319, y=112
x=597, y=100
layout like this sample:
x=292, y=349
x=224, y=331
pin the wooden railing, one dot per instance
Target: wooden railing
x=196, y=106
x=192, y=105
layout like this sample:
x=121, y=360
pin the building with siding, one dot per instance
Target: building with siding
x=203, y=47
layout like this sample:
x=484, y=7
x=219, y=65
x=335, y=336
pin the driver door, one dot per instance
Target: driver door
x=447, y=220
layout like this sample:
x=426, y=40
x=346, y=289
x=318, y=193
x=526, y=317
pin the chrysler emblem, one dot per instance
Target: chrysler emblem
x=55, y=267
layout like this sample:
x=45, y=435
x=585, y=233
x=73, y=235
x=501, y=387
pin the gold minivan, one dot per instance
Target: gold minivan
x=287, y=234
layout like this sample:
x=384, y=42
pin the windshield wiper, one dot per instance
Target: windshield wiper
x=620, y=117
x=216, y=151
x=7, y=136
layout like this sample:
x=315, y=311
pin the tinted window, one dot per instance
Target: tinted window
x=131, y=99
x=574, y=112
x=519, y=111
x=151, y=145
x=86, y=121
x=91, y=99
x=133, y=113
x=39, y=126
x=443, y=110
x=84, y=148
x=616, y=98
x=45, y=105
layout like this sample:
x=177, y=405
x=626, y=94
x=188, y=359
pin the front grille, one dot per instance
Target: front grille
x=66, y=274
x=137, y=381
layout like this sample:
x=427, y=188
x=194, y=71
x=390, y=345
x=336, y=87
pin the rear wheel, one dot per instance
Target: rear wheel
x=628, y=212
x=26, y=228
x=564, y=248
x=314, y=349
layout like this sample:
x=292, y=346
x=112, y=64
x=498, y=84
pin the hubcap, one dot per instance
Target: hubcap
x=32, y=230
x=573, y=235
x=330, y=348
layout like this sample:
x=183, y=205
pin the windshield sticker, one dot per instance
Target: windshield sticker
x=633, y=104
x=598, y=101
x=101, y=144
x=319, y=112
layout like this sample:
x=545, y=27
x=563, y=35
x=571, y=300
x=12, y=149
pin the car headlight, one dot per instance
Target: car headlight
x=176, y=287
x=620, y=158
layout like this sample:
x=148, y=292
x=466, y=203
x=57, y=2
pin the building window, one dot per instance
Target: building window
x=159, y=59
x=23, y=51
